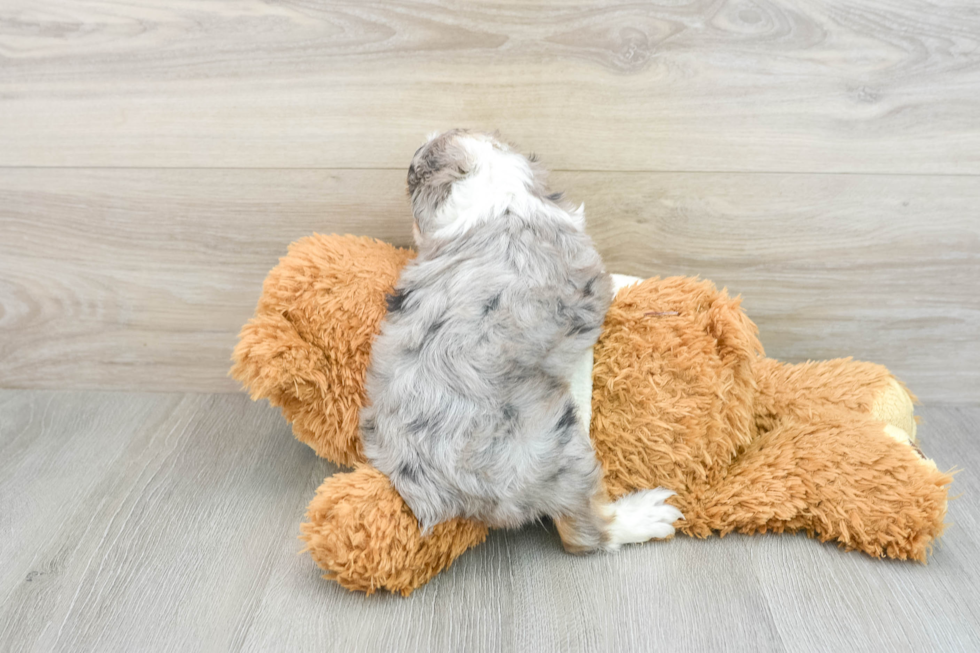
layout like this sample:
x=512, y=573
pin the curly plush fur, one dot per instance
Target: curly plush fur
x=683, y=398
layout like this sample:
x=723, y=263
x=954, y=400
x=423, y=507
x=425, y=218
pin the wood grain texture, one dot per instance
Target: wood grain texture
x=168, y=522
x=126, y=515
x=888, y=86
x=121, y=279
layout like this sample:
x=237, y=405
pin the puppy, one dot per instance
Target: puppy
x=469, y=408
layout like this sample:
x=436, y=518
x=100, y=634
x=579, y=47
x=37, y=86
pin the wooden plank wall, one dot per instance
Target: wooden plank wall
x=156, y=157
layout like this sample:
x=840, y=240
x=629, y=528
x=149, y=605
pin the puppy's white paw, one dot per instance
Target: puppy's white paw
x=642, y=516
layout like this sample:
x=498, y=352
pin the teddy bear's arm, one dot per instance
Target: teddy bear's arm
x=360, y=532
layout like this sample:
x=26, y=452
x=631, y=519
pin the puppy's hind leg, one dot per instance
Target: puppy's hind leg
x=588, y=520
x=603, y=525
x=586, y=529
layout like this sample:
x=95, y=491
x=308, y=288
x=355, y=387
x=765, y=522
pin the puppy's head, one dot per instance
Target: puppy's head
x=460, y=177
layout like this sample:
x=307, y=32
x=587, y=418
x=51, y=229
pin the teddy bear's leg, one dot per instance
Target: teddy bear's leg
x=360, y=531
x=867, y=388
x=837, y=476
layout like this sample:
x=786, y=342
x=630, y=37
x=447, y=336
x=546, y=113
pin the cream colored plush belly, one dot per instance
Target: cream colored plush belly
x=581, y=381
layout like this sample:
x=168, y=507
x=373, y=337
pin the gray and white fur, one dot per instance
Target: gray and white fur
x=469, y=409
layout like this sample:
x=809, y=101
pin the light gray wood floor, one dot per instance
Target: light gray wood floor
x=149, y=522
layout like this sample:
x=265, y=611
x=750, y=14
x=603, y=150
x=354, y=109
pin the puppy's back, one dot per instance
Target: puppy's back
x=470, y=404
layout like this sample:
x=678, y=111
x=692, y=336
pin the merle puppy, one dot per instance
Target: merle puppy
x=469, y=409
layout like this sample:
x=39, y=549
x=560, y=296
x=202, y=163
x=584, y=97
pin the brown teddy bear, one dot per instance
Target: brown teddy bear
x=682, y=397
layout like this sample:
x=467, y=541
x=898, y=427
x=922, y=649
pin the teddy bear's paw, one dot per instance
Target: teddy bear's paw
x=899, y=435
x=893, y=405
x=642, y=516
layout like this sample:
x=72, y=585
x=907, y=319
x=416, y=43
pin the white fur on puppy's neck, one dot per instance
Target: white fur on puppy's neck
x=498, y=180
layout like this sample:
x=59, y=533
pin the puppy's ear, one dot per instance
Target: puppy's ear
x=413, y=179
x=422, y=169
